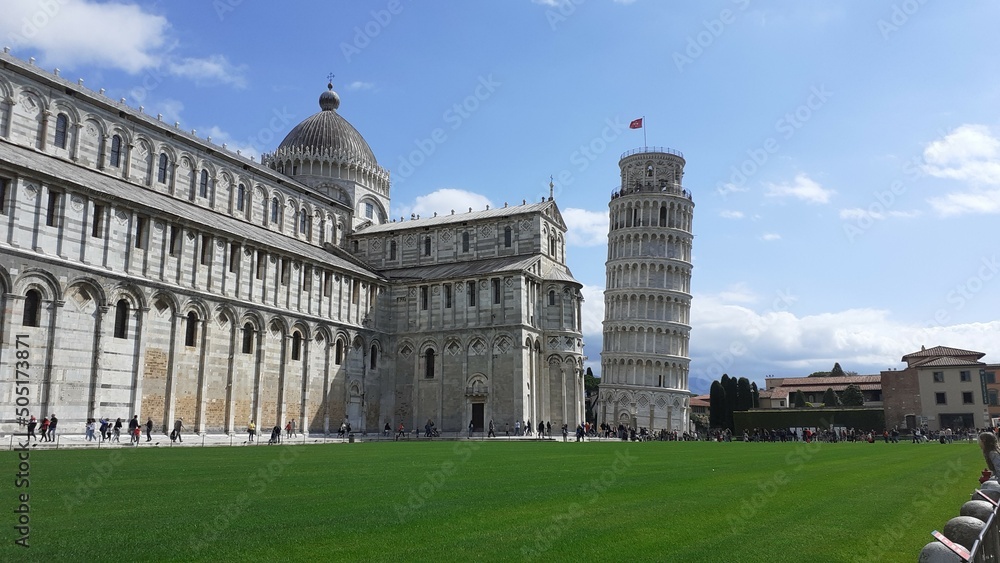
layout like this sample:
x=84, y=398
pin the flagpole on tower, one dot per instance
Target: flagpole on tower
x=644, y=145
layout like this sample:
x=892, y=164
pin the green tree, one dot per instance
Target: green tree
x=591, y=386
x=852, y=396
x=716, y=405
x=819, y=374
x=729, y=384
x=837, y=371
x=830, y=398
x=798, y=399
x=744, y=395
x=756, y=395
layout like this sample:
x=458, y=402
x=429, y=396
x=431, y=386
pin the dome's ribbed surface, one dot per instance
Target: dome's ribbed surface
x=326, y=132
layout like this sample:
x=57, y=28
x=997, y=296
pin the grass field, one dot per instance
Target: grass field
x=492, y=501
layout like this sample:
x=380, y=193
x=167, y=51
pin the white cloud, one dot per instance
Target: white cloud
x=443, y=202
x=220, y=137
x=586, y=228
x=803, y=188
x=358, y=85
x=855, y=213
x=768, y=237
x=730, y=214
x=592, y=312
x=728, y=188
x=170, y=109
x=215, y=69
x=756, y=341
x=969, y=154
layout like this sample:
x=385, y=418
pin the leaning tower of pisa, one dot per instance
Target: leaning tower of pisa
x=647, y=300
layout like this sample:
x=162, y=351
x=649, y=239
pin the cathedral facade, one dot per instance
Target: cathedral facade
x=146, y=271
x=647, y=301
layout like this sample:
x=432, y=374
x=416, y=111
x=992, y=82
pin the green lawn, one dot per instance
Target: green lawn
x=493, y=501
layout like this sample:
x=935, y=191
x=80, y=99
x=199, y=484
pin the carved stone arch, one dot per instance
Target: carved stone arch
x=94, y=121
x=253, y=317
x=358, y=343
x=6, y=284
x=167, y=149
x=123, y=132
x=190, y=161
x=43, y=281
x=303, y=328
x=324, y=334
x=225, y=311
x=502, y=344
x=129, y=292
x=196, y=305
x=554, y=359
x=60, y=105
x=428, y=344
x=6, y=90
x=83, y=291
x=167, y=299
x=538, y=346
x=279, y=324
x=41, y=100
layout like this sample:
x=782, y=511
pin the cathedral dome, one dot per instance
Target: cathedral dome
x=327, y=133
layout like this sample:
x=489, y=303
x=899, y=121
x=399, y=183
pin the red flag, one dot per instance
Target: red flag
x=636, y=124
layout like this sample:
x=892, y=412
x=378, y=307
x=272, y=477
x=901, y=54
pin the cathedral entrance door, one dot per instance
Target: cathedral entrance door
x=478, y=416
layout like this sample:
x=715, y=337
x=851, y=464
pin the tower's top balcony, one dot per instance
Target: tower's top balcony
x=639, y=187
x=641, y=150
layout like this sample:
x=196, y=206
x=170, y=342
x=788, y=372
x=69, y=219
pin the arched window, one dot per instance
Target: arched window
x=507, y=236
x=248, y=338
x=303, y=221
x=32, y=308
x=62, y=122
x=275, y=211
x=374, y=357
x=121, y=319
x=191, y=329
x=552, y=297
x=338, y=356
x=392, y=250
x=203, y=184
x=663, y=215
x=427, y=246
x=241, y=196
x=116, y=151
x=465, y=241
x=429, y=364
x=161, y=171
x=296, y=345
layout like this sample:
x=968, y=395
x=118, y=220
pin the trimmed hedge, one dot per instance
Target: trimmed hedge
x=859, y=418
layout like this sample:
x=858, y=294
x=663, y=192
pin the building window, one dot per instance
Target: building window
x=203, y=184
x=275, y=211
x=369, y=210
x=447, y=296
x=4, y=182
x=424, y=300
x=465, y=242
x=121, y=319
x=234, y=258
x=161, y=170
x=965, y=375
x=296, y=346
x=338, y=354
x=285, y=271
x=355, y=291
x=97, y=228
x=392, y=250
x=206, y=250
x=241, y=196
x=52, y=213
x=967, y=397
x=32, y=308
x=940, y=399
x=429, y=364
x=373, y=355
x=994, y=397
x=303, y=221
x=427, y=246
x=496, y=291
x=261, y=264
x=507, y=237
x=141, y=230
x=62, y=122
x=471, y=289
x=307, y=279
x=247, y=338
x=175, y=240
x=191, y=329
x=552, y=297
x=327, y=284
x=264, y=205
x=939, y=377
x=116, y=151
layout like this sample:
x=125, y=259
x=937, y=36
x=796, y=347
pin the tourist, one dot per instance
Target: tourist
x=251, y=430
x=294, y=433
x=288, y=429
x=517, y=427
x=178, y=426
x=528, y=429
x=548, y=428
x=89, y=430
x=104, y=429
x=991, y=452
x=149, y=429
x=506, y=429
x=31, y=428
x=400, y=431
x=45, y=429
x=52, y=427
x=471, y=427
x=136, y=432
x=541, y=429
x=387, y=429
x=132, y=425
x=491, y=434
x=118, y=429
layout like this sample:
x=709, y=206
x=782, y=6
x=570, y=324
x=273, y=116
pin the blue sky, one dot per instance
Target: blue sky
x=844, y=158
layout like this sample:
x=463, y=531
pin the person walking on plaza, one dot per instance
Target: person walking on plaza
x=45, y=430
x=118, y=429
x=53, y=421
x=517, y=427
x=288, y=429
x=470, y=428
x=104, y=429
x=251, y=430
x=89, y=430
x=178, y=426
x=491, y=434
x=548, y=428
x=149, y=429
x=400, y=431
x=132, y=425
x=541, y=429
x=31, y=428
x=293, y=428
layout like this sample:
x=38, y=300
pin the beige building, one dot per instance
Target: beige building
x=144, y=270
